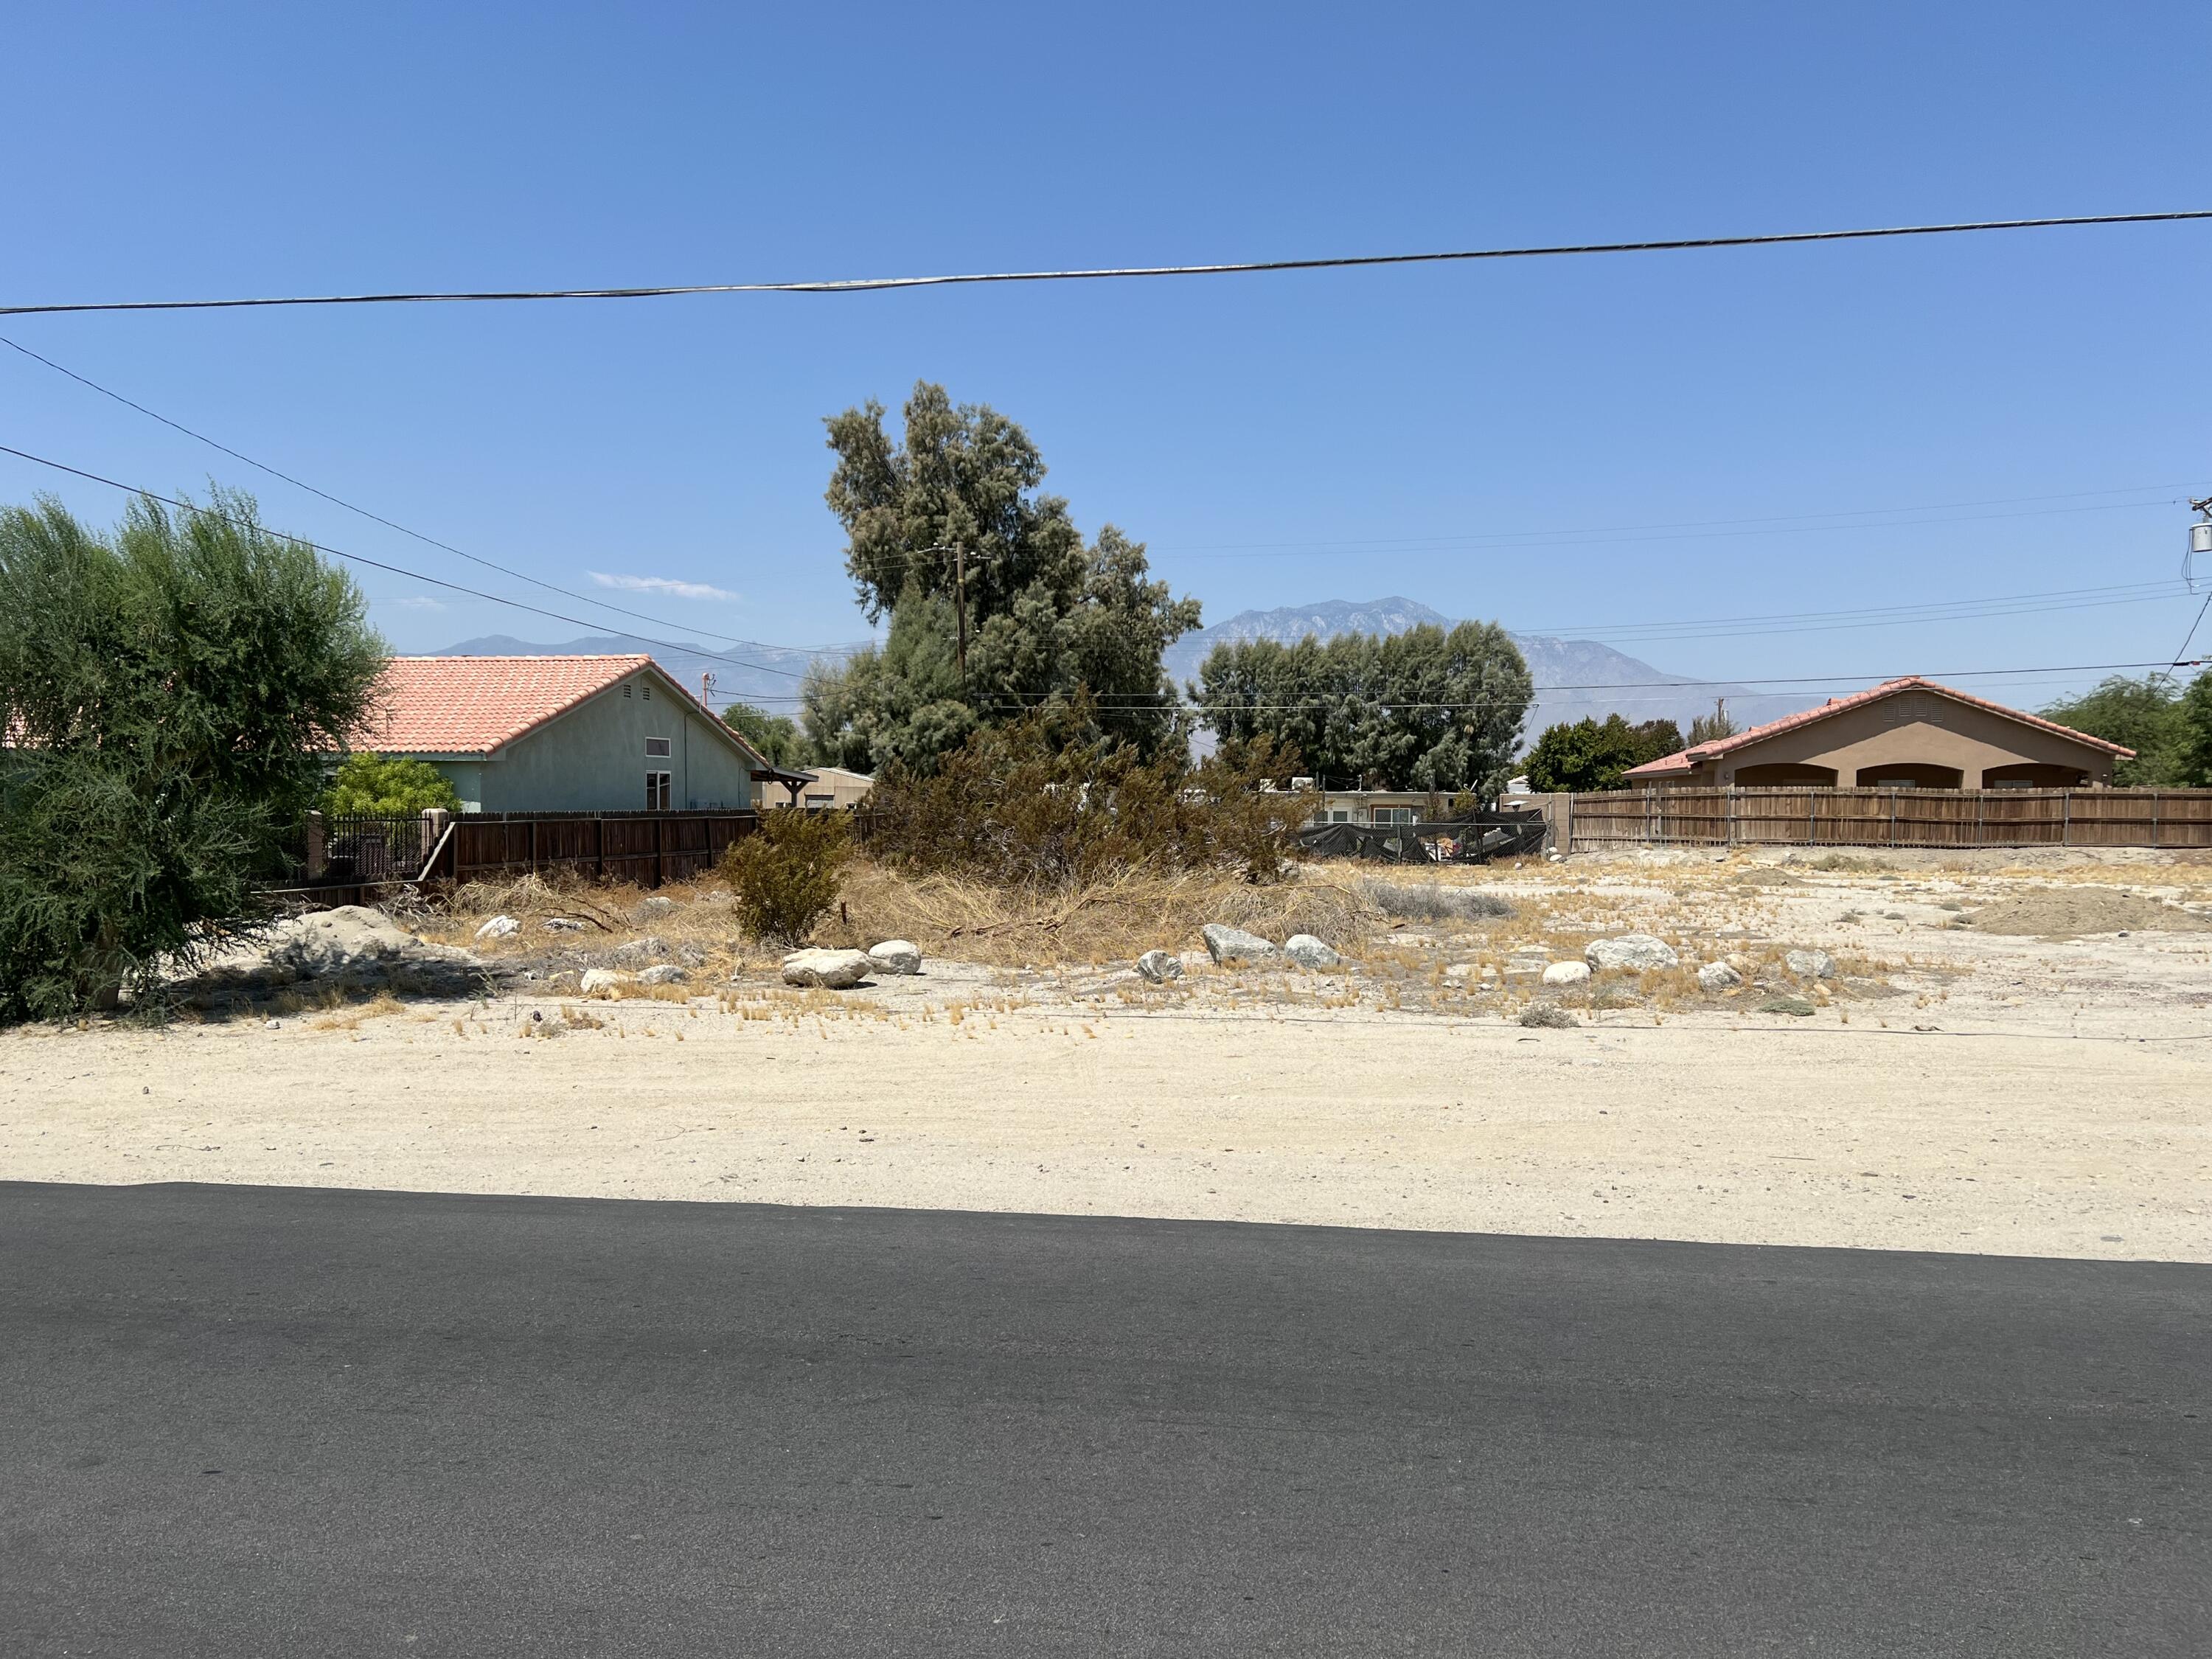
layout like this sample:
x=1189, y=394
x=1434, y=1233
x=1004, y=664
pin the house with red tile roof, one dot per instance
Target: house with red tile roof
x=1905, y=733
x=561, y=734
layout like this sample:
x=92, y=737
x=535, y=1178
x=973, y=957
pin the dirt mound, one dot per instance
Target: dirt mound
x=2072, y=912
x=351, y=947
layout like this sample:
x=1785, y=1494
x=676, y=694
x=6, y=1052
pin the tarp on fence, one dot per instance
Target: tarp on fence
x=1475, y=840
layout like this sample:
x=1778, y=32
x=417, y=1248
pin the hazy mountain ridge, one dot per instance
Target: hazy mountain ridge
x=769, y=676
x=1617, y=683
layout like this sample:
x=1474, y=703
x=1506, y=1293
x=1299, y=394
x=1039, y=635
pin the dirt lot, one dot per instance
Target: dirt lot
x=1995, y=1067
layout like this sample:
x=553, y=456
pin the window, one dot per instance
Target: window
x=820, y=803
x=656, y=748
x=1394, y=815
x=656, y=792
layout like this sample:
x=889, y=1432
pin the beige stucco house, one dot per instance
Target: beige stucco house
x=1910, y=733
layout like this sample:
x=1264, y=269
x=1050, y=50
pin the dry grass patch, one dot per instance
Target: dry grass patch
x=1113, y=918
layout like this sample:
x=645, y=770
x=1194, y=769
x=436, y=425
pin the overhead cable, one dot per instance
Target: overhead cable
x=377, y=518
x=1334, y=262
x=379, y=564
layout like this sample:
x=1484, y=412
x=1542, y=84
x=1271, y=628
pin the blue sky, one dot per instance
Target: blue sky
x=1275, y=439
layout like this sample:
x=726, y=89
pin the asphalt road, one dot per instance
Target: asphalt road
x=247, y=1421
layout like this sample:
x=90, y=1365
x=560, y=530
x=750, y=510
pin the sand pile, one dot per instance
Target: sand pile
x=2072, y=912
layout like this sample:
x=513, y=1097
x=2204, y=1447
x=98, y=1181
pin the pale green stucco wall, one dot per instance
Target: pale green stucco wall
x=592, y=759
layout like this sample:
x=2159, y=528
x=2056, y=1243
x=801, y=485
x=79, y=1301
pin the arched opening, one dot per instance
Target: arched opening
x=2035, y=775
x=1910, y=774
x=1786, y=774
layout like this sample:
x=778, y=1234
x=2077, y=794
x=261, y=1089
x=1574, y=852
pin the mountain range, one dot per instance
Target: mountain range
x=1576, y=679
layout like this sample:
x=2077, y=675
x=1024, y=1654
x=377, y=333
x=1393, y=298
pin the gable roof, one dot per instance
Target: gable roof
x=477, y=705
x=1689, y=759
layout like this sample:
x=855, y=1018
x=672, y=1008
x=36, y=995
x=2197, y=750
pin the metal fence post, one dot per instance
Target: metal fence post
x=318, y=848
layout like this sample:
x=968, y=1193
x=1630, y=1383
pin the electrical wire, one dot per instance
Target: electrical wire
x=1700, y=524
x=1719, y=626
x=377, y=518
x=379, y=564
x=1338, y=262
x=1566, y=538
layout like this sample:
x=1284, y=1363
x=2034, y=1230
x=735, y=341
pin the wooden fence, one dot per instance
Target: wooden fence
x=1891, y=817
x=646, y=848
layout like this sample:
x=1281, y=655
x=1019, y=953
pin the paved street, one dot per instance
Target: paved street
x=253, y=1421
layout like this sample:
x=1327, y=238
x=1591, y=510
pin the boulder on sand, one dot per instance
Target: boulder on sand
x=1309, y=952
x=498, y=927
x=895, y=956
x=666, y=973
x=1230, y=944
x=1566, y=973
x=1160, y=966
x=830, y=970
x=601, y=979
x=1637, y=952
x=1810, y=964
x=1718, y=976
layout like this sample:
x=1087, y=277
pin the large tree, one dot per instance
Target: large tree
x=950, y=511
x=167, y=694
x=1589, y=756
x=776, y=738
x=2145, y=715
x=1423, y=710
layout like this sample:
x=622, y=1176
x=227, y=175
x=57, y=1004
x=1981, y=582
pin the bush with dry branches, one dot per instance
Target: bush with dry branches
x=1048, y=800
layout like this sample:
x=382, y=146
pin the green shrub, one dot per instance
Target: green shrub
x=165, y=693
x=787, y=873
x=387, y=786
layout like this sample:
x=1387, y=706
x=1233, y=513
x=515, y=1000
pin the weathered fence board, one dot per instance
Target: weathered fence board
x=1892, y=817
x=645, y=849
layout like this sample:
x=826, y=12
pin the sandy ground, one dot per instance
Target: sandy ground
x=1956, y=1091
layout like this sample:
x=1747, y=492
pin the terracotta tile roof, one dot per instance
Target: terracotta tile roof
x=1689, y=758
x=472, y=705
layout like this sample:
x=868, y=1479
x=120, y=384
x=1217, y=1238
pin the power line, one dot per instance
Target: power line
x=1142, y=702
x=1451, y=541
x=379, y=564
x=1542, y=539
x=1338, y=262
x=377, y=518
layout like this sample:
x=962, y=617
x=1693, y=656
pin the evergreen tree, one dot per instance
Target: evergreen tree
x=1589, y=756
x=1423, y=710
x=776, y=737
x=167, y=694
x=951, y=512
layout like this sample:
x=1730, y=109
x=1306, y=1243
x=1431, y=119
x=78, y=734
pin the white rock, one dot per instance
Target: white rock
x=1309, y=952
x=563, y=925
x=895, y=956
x=1566, y=973
x=832, y=971
x=498, y=927
x=272, y=1025
x=1718, y=976
x=1810, y=964
x=1638, y=952
x=1227, y=944
x=655, y=905
x=601, y=979
x=1160, y=966
x=667, y=974
x=646, y=949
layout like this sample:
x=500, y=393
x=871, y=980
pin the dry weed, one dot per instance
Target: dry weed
x=1113, y=918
